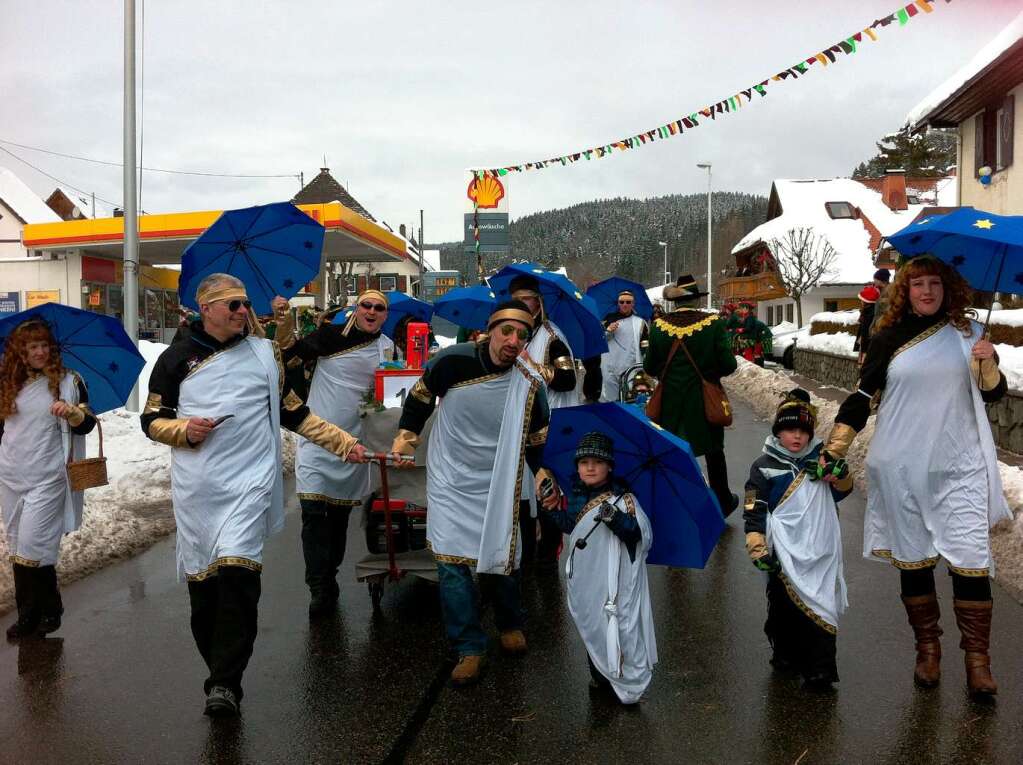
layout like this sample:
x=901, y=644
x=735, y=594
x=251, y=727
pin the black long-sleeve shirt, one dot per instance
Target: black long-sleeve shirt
x=328, y=340
x=874, y=374
x=458, y=364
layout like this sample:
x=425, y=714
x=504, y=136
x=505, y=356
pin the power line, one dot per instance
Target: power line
x=205, y=173
x=58, y=180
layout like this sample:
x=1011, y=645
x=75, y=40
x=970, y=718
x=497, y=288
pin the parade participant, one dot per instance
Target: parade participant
x=882, y=280
x=608, y=594
x=868, y=302
x=219, y=400
x=549, y=351
x=43, y=416
x=935, y=488
x=491, y=423
x=792, y=533
x=752, y=339
x=682, y=409
x=346, y=359
x=627, y=336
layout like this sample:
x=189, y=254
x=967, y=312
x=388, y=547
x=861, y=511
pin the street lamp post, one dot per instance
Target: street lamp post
x=130, y=311
x=667, y=276
x=706, y=166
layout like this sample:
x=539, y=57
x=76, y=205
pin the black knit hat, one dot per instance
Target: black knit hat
x=795, y=412
x=883, y=275
x=596, y=445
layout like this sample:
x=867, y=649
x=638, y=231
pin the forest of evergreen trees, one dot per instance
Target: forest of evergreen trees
x=594, y=240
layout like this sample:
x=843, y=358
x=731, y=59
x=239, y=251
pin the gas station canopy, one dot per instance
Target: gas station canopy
x=163, y=238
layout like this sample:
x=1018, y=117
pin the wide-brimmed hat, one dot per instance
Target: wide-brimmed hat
x=684, y=288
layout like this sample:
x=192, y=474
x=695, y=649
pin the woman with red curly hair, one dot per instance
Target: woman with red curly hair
x=42, y=411
x=935, y=489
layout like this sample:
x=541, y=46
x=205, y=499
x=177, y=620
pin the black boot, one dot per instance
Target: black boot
x=51, y=608
x=26, y=598
x=316, y=543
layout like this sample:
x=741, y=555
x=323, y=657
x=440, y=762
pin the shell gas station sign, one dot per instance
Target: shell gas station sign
x=487, y=207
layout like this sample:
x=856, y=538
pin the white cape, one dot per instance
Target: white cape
x=609, y=599
x=623, y=353
x=805, y=536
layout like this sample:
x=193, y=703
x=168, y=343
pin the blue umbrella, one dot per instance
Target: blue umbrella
x=573, y=312
x=399, y=305
x=660, y=470
x=274, y=249
x=605, y=295
x=986, y=249
x=468, y=307
x=93, y=345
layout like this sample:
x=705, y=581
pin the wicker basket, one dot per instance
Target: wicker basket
x=89, y=473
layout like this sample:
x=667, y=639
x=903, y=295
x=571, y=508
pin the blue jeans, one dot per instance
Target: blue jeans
x=460, y=605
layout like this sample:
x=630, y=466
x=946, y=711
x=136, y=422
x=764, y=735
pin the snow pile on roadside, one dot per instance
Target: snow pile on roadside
x=836, y=317
x=764, y=389
x=838, y=343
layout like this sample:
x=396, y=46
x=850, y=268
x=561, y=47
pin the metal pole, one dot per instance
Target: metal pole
x=709, y=290
x=667, y=278
x=130, y=317
x=422, y=253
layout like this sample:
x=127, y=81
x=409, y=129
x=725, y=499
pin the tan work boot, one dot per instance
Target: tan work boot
x=974, y=620
x=513, y=641
x=467, y=671
x=923, y=613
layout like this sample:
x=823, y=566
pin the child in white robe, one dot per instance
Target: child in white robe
x=792, y=534
x=608, y=594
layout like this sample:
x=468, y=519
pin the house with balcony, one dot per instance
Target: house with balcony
x=981, y=102
x=852, y=216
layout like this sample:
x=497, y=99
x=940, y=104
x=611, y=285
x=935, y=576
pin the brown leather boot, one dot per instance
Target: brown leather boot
x=974, y=620
x=513, y=641
x=923, y=613
x=467, y=671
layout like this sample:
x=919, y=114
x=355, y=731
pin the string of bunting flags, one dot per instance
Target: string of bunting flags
x=733, y=103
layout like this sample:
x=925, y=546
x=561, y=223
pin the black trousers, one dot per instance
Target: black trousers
x=546, y=549
x=796, y=639
x=324, y=537
x=224, y=619
x=717, y=477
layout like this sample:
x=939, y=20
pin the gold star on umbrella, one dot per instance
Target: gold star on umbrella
x=985, y=223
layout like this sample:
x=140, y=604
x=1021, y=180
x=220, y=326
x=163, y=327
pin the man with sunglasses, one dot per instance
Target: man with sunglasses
x=493, y=421
x=219, y=398
x=627, y=339
x=346, y=358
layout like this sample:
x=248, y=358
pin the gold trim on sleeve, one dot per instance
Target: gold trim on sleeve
x=840, y=440
x=292, y=402
x=326, y=435
x=284, y=335
x=405, y=442
x=538, y=438
x=76, y=416
x=421, y=393
x=172, y=432
x=154, y=403
x=756, y=545
x=986, y=373
x=563, y=363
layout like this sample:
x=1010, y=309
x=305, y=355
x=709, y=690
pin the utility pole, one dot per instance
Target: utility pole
x=422, y=253
x=130, y=317
x=706, y=165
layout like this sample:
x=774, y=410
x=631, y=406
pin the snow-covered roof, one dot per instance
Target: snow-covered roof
x=984, y=58
x=22, y=201
x=802, y=204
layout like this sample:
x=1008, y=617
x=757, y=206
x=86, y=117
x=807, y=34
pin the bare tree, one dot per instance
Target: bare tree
x=802, y=258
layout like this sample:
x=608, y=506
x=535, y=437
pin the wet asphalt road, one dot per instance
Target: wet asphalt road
x=122, y=682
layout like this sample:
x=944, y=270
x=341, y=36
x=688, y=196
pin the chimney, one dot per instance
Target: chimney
x=401, y=230
x=893, y=190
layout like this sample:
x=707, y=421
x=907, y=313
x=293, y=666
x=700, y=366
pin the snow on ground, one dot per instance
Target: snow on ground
x=763, y=389
x=134, y=510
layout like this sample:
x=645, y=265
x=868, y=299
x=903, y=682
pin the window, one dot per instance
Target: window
x=388, y=283
x=838, y=210
x=831, y=305
x=770, y=315
x=790, y=312
x=992, y=139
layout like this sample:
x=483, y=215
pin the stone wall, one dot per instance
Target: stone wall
x=1006, y=416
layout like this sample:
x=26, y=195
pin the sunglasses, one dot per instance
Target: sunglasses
x=624, y=302
x=507, y=329
x=378, y=307
x=234, y=305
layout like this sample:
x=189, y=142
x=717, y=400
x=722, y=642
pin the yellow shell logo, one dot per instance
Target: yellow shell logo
x=486, y=192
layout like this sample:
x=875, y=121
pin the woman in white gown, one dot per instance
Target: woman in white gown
x=42, y=413
x=935, y=490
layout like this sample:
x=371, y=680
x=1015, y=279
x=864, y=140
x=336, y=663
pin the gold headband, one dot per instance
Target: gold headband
x=225, y=293
x=626, y=292
x=511, y=314
x=374, y=293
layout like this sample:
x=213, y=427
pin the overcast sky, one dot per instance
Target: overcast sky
x=402, y=97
